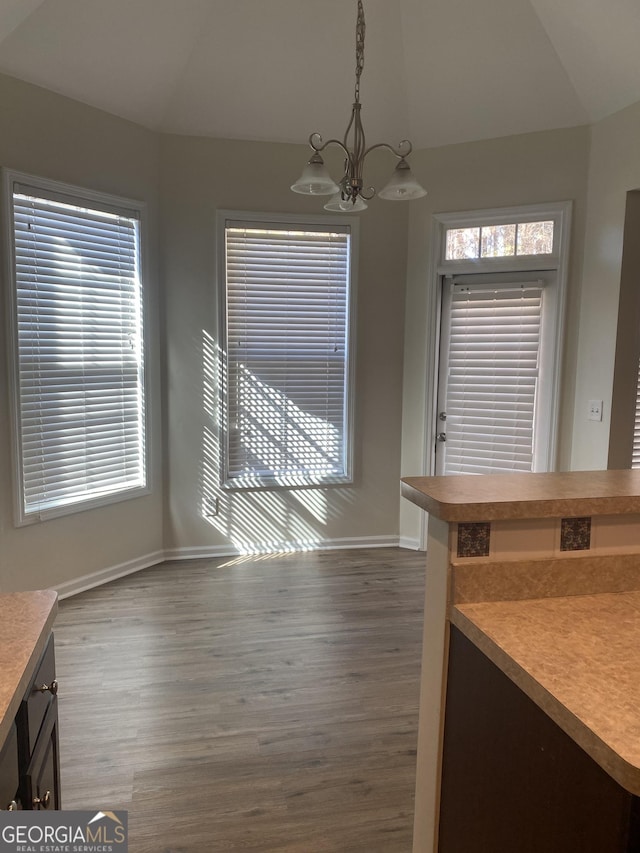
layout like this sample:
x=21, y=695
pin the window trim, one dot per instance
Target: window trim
x=111, y=203
x=299, y=221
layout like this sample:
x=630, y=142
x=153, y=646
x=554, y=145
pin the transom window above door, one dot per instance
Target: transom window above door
x=505, y=240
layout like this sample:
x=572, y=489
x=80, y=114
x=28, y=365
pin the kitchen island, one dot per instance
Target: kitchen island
x=533, y=586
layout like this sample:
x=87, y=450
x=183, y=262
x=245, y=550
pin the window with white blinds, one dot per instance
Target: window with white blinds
x=287, y=353
x=78, y=333
x=635, y=456
x=492, y=358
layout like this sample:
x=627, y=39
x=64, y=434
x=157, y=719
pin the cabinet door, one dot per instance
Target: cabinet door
x=512, y=780
x=9, y=774
x=40, y=785
x=40, y=695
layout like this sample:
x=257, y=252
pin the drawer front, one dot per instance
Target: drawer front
x=40, y=695
x=9, y=773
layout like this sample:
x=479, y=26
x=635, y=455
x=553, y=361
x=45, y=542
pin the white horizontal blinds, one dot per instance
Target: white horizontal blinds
x=287, y=297
x=78, y=304
x=635, y=456
x=492, y=378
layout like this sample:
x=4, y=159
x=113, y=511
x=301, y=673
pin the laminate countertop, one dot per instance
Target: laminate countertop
x=493, y=497
x=26, y=619
x=577, y=658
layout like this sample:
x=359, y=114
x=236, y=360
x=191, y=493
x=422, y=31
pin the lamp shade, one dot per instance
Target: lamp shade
x=402, y=185
x=342, y=205
x=315, y=179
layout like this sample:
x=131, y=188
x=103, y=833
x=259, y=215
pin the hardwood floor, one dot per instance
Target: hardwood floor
x=258, y=703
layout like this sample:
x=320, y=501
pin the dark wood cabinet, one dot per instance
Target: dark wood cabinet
x=513, y=780
x=29, y=758
x=9, y=771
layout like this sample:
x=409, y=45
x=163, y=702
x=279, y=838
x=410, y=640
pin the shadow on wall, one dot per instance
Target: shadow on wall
x=262, y=521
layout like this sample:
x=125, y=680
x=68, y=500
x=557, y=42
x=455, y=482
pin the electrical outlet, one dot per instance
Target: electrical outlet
x=214, y=508
x=595, y=410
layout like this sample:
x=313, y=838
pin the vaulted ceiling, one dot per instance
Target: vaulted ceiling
x=436, y=71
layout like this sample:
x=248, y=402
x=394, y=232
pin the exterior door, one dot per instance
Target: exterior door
x=492, y=402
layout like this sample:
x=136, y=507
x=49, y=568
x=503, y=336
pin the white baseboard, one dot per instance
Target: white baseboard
x=203, y=552
x=358, y=542
x=85, y=582
x=412, y=544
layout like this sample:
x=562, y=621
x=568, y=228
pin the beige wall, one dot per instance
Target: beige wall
x=54, y=137
x=200, y=176
x=614, y=170
x=528, y=169
x=57, y=138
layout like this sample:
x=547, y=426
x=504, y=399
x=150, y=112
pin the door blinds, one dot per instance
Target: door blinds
x=493, y=355
x=79, y=351
x=287, y=354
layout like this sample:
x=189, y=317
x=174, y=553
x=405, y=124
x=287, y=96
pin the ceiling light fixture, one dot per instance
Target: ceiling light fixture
x=349, y=194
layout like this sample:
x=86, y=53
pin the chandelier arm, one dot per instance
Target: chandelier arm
x=320, y=146
x=397, y=151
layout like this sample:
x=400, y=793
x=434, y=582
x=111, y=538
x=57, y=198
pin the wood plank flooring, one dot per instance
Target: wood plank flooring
x=252, y=704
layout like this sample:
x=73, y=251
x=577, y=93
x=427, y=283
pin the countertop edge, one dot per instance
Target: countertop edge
x=625, y=774
x=496, y=510
x=50, y=600
x=423, y=492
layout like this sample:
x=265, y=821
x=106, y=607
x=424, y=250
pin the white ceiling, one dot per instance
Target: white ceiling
x=436, y=71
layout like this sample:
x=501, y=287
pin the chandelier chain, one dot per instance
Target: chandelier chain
x=360, y=30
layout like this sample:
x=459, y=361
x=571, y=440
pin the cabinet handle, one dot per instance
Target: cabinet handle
x=51, y=688
x=44, y=801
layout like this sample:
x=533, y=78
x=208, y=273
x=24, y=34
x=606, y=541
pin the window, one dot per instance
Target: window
x=77, y=331
x=635, y=453
x=624, y=424
x=286, y=335
x=508, y=240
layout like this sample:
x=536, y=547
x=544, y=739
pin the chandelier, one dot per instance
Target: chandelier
x=349, y=194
